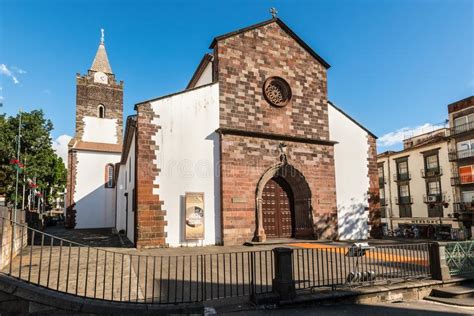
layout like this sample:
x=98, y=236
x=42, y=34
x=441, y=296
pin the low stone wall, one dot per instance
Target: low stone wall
x=19, y=297
x=8, y=233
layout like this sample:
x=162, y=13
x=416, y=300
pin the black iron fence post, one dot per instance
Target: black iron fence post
x=438, y=266
x=283, y=284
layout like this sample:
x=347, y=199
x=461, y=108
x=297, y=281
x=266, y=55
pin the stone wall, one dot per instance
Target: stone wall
x=375, y=216
x=11, y=232
x=90, y=94
x=245, y=159
x=71, y=175
x=150, y=218
x=246, y=60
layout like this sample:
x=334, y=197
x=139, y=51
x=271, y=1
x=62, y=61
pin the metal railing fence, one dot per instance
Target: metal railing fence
x=460, y=257
x=98, y=273
x=338, y=266
x=127, y=276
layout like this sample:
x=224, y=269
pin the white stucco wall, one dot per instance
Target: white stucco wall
x=126, y=184
x=95, y=204
x=100, y=130
x=352, y=182
x=206, y=76
x=188, y=155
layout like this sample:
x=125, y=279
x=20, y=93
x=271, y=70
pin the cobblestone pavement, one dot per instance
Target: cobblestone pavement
x=99, y=237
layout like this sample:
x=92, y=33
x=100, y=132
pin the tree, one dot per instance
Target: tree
x=37, y=155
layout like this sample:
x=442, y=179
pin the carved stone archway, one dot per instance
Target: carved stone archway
x=301, y=198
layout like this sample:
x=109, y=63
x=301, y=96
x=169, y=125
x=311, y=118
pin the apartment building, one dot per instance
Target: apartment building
x=415, y=185
x=461, y=156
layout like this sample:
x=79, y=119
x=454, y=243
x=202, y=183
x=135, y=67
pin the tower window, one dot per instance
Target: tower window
x=101, y=111
x=109, y=176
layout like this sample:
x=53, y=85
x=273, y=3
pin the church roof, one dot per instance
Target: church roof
x=200, y=69
x=284, y=27
x=101, y=62
x=352, y=119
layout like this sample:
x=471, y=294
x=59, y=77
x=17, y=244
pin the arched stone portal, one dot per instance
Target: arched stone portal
x=302, y=216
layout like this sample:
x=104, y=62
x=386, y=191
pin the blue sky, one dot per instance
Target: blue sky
x=395, y=64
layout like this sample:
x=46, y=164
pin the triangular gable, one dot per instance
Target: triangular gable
x=302, y=43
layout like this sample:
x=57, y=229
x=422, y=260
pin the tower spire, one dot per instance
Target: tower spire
x=101, y=61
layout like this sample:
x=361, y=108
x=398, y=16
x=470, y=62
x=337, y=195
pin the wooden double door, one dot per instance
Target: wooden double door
x=277, y=207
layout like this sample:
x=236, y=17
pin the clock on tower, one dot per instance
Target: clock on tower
x=100, y=77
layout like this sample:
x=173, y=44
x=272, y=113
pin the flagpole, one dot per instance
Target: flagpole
x=24, y=180
x=17, y=169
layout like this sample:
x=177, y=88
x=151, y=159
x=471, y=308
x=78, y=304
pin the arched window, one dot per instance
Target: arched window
x=101, y=111
x=109, y=176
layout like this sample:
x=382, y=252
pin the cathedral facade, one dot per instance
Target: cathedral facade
x=251, y=150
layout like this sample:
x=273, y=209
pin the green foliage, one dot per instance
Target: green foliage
x=36, y=154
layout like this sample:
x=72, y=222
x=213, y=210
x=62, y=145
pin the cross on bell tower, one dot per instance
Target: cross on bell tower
x=273, y=12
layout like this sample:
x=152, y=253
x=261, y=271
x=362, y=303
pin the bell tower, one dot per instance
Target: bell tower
x=99, y=101
x=96, y=146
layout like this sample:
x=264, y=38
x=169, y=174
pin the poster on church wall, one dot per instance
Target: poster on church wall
x=194, y=216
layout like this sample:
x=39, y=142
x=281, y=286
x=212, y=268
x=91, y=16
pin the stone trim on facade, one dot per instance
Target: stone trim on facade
x=274, y=136
x=149, y=216
x=102, y=147
x=375, y=216
x=71, y=186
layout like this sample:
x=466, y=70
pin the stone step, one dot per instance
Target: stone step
x=468, y=302
x=458, y=292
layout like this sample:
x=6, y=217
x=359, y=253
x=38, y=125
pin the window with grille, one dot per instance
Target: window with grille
x=404, y=190
x=432, y=162
x=434, y=188
x=402, y=167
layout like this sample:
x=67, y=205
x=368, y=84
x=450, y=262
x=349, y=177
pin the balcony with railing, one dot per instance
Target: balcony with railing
x=463, y=210
x=434, y=198
x=402, y=176
x=461, y=129
x=403, y=200
x=431, y=172
x=460, y=154
x=458, y=180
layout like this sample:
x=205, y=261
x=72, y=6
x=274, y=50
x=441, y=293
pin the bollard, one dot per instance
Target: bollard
x=283, y=283
x=438, y=266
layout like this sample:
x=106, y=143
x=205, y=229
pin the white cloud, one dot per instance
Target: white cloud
x=397, y=137
x=18, y=70
x=60, y=146
x=7, y=72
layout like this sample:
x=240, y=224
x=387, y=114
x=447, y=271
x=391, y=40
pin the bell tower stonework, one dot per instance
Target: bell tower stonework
x=96, y=146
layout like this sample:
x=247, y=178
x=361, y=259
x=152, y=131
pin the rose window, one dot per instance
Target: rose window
x=277, y=91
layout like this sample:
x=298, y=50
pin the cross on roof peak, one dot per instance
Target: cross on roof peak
x=273, y=12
